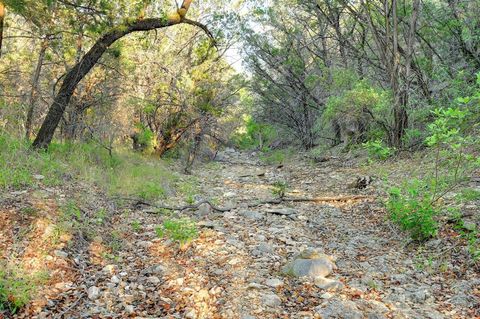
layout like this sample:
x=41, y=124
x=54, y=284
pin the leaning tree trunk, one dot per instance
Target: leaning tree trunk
x=81, y=69
x=2, y=18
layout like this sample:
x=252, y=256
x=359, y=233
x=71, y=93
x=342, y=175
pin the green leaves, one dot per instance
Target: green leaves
x=411, y=208
x=180, y=230
x=446, y=127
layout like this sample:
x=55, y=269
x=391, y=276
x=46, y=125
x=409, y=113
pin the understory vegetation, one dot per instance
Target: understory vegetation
x=131, y=97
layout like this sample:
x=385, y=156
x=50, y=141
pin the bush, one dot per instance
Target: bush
x=279, y=188
x=378, y=150
x=179, y=230
x=276, y=157
x=16, y=288
x=254, y=135
x=413, y=210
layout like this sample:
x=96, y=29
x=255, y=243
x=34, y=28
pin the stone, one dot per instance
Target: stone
x=115, y=279
x=110, y=269
x=271, y=300
x=153, y=280
x=229, y=194
x=129, y=309
x=335, y=308
x=326, y=295
x=145, y=244
x=252, y=215
x=310, y=263
x=419, y=296
x=61, y=253
x=328, y=284
x=204, y=210
x=274, y=283
x=153, y=270
x=470, y=226
x=265, y=248
x=38, y=177
x=93, y=293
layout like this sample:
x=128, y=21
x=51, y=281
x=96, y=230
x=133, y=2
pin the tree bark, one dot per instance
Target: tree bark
x=81, y=69
x=33, y=93
x=2, y=18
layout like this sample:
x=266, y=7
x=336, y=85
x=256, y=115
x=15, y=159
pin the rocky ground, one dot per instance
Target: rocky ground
x=236, y=267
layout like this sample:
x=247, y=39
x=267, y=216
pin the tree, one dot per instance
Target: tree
x=2, y=18
x=89, y=60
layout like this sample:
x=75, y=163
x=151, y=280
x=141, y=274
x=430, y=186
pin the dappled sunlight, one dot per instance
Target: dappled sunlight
x=31, y=243
x=204, y=280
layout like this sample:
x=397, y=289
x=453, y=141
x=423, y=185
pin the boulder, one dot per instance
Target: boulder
x=310, y=263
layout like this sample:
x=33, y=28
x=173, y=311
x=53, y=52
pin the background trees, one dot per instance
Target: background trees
x=63, y=67
x=314, y=72
x=312, y=51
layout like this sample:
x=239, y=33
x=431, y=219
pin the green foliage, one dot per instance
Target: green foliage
x=151, y=190
x=276, y=157
x=255, y=135
x=18, y=165
x=378, y=150
x=470, y=233
x=468, y=195
x=356, y=101
x=279, y=188
x=445, y=130
x=412, y=209
x=145, y=136
x=179, y=230
x=136, y=226
x=17, y=287
x=189, y=189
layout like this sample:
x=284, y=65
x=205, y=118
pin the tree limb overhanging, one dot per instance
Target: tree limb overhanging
x=90, y=59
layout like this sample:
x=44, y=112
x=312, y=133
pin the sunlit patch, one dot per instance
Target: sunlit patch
x=29, y=238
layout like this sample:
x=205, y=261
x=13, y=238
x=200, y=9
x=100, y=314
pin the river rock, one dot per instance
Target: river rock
x=310, y=263
x=335, y=308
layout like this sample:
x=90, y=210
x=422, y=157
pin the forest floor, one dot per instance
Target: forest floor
x=116, y=266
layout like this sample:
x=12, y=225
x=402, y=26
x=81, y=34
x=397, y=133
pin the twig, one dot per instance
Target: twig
x=255, y=204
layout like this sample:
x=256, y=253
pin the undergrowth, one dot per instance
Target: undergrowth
x=180, y=230
x=124, y=173
x=17, y=287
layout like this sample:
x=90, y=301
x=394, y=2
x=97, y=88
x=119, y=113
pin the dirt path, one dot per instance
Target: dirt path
x=233, y=270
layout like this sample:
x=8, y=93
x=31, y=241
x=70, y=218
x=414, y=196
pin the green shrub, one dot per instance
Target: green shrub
x=412, y=209
x=180, y=230
x=151, y=190
x=276, y=157
x=279, y=188
x=254, y=135
x=16, y=287
x=378, y=150
x=136, y=226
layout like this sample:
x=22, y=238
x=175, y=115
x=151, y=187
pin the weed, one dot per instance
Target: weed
x=136, y=226
x=279, y=188
x=469, y=232
x=189, y=189
x=378, y=150
x=16, y=287
x=100, y=216
x=468, y=195
x=412, y=209
x=29, y=210
x=276, y=157
x=151, y=190
x=179, y=230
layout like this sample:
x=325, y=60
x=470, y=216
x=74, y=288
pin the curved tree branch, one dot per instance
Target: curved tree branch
x=90, y=59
